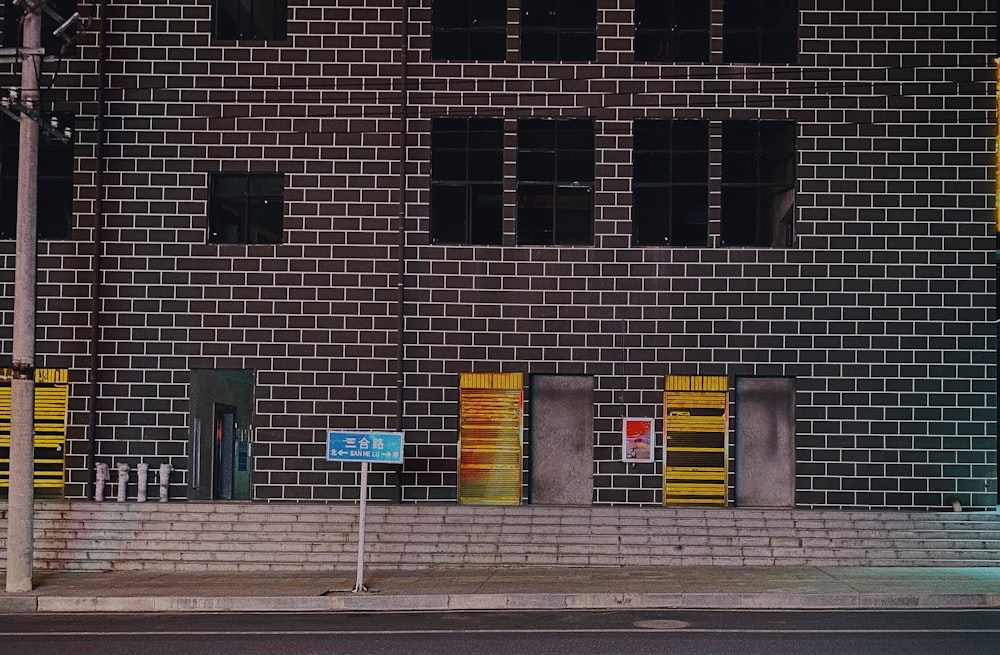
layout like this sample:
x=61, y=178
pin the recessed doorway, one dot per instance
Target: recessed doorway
x=221, y=463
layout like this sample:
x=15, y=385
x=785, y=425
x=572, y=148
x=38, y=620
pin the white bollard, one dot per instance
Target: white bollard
x=165, y=470
x=142, y=475
x=100, y=479
x=122, y=481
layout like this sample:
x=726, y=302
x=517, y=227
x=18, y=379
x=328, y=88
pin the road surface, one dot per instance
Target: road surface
x=562, y=632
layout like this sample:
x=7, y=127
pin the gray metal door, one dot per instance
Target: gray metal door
x=562, y=439
x=765, y=442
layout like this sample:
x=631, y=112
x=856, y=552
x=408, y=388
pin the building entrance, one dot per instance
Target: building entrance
x=221, y=430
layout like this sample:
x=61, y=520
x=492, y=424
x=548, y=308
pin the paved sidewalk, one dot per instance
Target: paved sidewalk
x=773, y=587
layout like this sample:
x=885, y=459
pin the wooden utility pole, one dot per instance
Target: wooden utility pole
x=20, y=504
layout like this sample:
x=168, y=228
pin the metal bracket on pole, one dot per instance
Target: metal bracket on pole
x=22, y=371
x=66, y=24
x=34, y=6
x=12, y=105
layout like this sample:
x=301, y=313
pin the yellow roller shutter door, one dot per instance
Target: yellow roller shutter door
x=490, y=441
x=51, y=401
x=696, y=418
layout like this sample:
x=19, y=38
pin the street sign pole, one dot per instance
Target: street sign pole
x=364, y=447
x=359, y=585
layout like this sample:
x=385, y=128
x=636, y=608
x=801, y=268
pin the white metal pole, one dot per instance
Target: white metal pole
x=359, y=581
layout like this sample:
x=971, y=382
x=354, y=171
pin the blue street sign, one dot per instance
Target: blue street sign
x=378, y=447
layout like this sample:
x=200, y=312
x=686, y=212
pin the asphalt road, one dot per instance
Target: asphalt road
x=625, y=632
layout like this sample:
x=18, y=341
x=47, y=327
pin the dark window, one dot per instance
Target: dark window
x=760, y=31
x=53, y=44
x=245, y=207
x=467, y=180
x=558, y=30
x=670, y=183
x=256, y=20
x=671, y=30
x=555, y=181
x=469, y=29
x=54, y=208
x=758, y=183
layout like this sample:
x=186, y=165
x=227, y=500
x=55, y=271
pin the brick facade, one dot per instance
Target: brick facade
x=882, y=309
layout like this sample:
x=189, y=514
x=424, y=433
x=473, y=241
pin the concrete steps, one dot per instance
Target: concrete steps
x=82, y=535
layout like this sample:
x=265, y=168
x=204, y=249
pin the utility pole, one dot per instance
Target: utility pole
x=26, y=108
x=20, y=504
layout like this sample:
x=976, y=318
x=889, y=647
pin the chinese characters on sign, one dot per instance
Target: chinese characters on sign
x=378, y=447
x=637, y=440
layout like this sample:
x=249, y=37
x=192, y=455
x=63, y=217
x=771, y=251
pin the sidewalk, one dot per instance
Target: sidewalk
x=437, y=589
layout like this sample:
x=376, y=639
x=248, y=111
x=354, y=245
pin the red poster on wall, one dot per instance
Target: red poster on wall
x=637, y=439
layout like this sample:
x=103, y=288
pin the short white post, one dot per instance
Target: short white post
x=359, y=581
x=122, y=481
x=142, y=475
x=101, y=479
x=165, y=470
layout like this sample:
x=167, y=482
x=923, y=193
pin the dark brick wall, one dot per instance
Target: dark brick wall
x=882, y=310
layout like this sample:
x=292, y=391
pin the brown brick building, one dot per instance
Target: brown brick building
x=274, y=221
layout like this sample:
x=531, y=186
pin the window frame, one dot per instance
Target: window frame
x=467, y=160
x=248, y=231
x=667, y=170
x=234, y=20
x=558, y=30
x=56, y=189
x=754, y=39
x=553, y=201
x=759, y=159
x=676, y=40
x=479, y=37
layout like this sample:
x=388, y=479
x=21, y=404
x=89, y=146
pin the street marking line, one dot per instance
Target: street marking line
x=662, y=624
x=196, y=633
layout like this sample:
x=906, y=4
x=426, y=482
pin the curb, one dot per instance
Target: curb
x=347, y=602
x=10, y=603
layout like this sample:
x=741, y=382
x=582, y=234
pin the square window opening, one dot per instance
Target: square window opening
x=471, y=30
x=246, y=208
x=558, y=30
x=670, y=182
x=672, y=30
x=760, y=32
x=250, y=20
x=555, y=182
x=758, y=183
x=466, y=200
x=54, y=203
